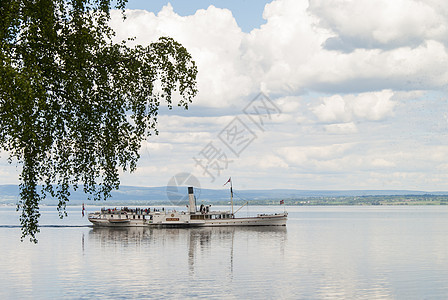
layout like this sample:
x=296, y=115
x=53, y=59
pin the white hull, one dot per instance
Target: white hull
x=272, y=220
x=107, y=223
x=176, y=220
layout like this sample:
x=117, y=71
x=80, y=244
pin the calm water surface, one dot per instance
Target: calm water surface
x=323, y=253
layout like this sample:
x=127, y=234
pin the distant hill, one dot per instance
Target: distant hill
x=9, y=194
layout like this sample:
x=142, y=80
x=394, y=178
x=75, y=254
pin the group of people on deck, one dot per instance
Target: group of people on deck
x=137, y=210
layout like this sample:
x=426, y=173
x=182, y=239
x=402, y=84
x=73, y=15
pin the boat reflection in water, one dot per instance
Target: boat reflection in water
x=203, y=249
x=203, y=236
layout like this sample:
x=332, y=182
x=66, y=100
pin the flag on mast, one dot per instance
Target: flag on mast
x=230, y=180
x=231, y=190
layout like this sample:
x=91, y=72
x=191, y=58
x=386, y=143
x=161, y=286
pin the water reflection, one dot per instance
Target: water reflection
x=201, y=237
x=123, y=236
x=201, y=247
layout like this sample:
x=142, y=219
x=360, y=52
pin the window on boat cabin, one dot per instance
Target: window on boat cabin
x=133, y=216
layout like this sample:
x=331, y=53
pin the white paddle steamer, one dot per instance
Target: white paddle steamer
x=195, y=216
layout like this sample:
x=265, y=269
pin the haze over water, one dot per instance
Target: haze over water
x=324, y=252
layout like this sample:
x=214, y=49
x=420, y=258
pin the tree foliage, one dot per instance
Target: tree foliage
x=74, y=105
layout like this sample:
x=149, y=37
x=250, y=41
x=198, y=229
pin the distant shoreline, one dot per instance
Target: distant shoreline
x=305, y=201
x=144, y=196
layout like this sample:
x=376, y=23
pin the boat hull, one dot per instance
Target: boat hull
x=263, y=220
x=274, y=220
x=109, y=223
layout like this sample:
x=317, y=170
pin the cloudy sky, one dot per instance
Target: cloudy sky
x=334, y=94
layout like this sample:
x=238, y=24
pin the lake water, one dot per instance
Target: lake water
x=322, y=253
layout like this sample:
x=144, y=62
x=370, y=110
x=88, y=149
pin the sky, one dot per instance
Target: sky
x=318, y=95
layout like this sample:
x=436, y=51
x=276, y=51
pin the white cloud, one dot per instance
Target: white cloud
x=367, y=106
x=269, y=161
x=287, y=55
x=380, y=23
x=291, y=55
x=213, y=38
x=333, y=109
x=372, y=106
x=301, y=155
x=358, y=158
x=381, y=162
x=341, y=128
x=288, y=104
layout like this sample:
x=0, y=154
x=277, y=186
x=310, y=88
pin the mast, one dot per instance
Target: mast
x=231, y=195
x=231, y=191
